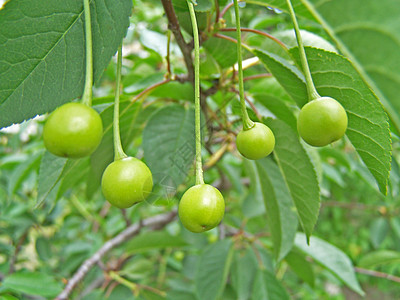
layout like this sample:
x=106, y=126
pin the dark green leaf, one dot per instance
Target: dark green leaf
x=33, y=284
x=278, y=107
x=286, y=74
x=51, y=169
x=212, y=270
x=281, y=212
x=368, y=128
x=301, y=267
x=244, y=267
x=36, y=79
x=169, y=144
x=298, y=173
x=267, y=287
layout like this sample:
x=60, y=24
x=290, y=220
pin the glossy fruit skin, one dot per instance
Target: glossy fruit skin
x=201, y=208
x=256, y=142
x=126, y=181
x=73, y=130
x=322, y=121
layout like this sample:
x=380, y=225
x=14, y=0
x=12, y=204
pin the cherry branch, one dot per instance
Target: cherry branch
x=186, y=48
x=377, y=274
x=155, y=223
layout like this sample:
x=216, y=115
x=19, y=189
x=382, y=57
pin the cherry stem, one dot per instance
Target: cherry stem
x=199, y=167
x=247, y=123
x=88, y=90
x=118, y=150
x=311, y=90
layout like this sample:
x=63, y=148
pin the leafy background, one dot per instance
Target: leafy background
x=53, y=216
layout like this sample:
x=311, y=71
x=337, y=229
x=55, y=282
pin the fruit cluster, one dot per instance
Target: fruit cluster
x=74, y=130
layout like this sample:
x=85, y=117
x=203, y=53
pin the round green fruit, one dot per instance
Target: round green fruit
x=201, y=208
x=73, y=130
x=126, y=181
x=322, y=121
x=256, y=142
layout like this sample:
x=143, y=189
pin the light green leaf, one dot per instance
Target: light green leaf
x=380, y=257
x=331, y=258
x=33, y=284
x=154, y=240
x=281, y=212
x=42, y=57
x=169, y=144
x=212, y=270
x=298, y=173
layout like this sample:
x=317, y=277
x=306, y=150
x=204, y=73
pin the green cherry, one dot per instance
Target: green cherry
x=126, y=181
x=256, y=142
x=201, y=208
x=322, y=121
x=73, y=130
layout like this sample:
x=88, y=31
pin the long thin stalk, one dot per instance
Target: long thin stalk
x=199, y=167
x=311, y=90
x=118, y=150
x=247, y=123
x=88, y=90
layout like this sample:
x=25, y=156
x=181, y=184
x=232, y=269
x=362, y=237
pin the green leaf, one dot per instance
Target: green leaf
x=244, y=267
x=33, y=284
x=51, y=169
x=370, y=42
x=281, y=213
x=253, y=205
x=331, y=258
x=335, y=76
x=291, y=79
x=154, y=240
x=378, y=230
x=223, y=51
x=212, y=270
x=278, y=107
x=380, y=257
x=169, y=144
x=301, y=267
x=267, y=287
x=42, y=62
x=298, y=173
x=368, y=128
x=21, y=172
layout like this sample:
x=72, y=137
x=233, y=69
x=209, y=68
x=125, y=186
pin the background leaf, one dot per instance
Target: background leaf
x=169, y=144
x=380, y=257
x=212, y=270
x=331, y=258
x=267, y=287
x=33, y=284
x=36, y=79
